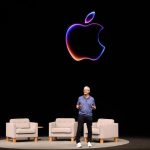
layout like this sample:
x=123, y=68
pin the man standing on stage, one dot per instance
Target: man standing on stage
x=85, y=104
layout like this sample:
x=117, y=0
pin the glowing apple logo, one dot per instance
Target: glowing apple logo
x=83, y=42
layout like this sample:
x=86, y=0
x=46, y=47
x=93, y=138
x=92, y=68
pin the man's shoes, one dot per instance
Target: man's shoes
x=79, y=145
x=89, y=144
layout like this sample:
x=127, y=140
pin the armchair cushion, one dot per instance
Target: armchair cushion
x=105, y=122
x=25, y=131
x=61, y=130
x=64, y=122
x=21, y=123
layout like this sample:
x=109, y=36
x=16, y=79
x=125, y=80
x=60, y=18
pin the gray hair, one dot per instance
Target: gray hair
x=87, y=87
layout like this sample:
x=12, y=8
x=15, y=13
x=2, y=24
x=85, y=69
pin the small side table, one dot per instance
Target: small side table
x=40, y=127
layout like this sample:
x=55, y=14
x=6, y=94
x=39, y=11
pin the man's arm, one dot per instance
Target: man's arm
x=93, y=105
x=78, y=106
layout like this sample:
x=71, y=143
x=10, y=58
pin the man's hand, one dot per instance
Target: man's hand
x=78, y=106
x=93, y=107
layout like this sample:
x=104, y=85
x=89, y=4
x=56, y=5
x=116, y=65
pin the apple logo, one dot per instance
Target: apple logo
x=83, y=42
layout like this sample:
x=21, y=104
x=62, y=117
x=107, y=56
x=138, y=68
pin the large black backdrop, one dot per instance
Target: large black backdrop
x=40, y=80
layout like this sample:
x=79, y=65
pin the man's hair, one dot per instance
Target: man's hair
x=87, y=87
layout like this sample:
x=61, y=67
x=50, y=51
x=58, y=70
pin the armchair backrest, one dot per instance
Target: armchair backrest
x=65, y=122
x=105, y=121
x=21, y=122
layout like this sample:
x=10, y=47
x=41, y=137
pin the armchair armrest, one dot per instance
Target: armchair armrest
x=10, y=130
x=51, y=125
x=94, y=124
x=108, y=131
x=34, y=125
x=116, y=129
x=74, y=128
x=85, y=128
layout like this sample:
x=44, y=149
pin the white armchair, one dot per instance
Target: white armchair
x=21, y=128
x=103, y=129
x=63, y=127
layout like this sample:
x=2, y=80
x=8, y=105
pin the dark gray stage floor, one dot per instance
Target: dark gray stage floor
x=136, y=143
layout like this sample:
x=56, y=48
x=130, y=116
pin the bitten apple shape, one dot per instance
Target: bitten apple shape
x=76, y=29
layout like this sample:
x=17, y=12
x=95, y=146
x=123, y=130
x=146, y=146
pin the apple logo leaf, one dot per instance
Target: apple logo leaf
x=90, y=17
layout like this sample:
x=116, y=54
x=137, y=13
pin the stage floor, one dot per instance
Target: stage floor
x=135, y=143
x=43, y=143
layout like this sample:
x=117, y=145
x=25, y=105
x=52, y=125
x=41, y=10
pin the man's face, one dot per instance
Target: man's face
x=86, y=91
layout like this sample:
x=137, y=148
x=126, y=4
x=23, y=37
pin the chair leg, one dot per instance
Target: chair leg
x=14, y=140
x=35, y=139
x=101, y=141
x=116, y=139
x=72, y=139
x=7, y=139
x=54, y=138
x=85, y=139
x=50, y=139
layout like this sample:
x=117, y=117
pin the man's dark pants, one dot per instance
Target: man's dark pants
x=81, y=120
